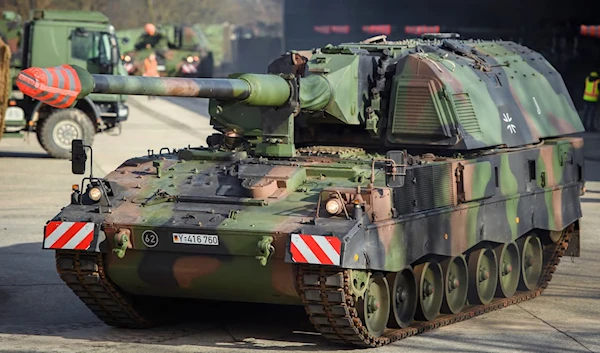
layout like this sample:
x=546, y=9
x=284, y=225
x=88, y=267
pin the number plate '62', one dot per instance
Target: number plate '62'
x=196, y=239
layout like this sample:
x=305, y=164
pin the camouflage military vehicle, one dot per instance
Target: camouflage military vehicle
x=183, y=52
x=388, y=187
x=11, y=29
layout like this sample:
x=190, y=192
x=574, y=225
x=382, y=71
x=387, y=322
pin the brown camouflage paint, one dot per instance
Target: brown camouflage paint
x=494, y=211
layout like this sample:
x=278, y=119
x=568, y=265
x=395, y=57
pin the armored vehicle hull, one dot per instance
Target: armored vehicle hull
x=205, y=244
x=455, y=193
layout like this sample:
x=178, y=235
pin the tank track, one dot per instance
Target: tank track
x=332, y=310
x=84, y=274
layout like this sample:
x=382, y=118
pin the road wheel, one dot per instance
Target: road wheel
x=374, y=308
x=56, y=132
x=404, y=298
x=532, y=253
x=456, y=284
x=483, y=276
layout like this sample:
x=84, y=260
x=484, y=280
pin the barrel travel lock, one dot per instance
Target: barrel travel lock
x=265, y=249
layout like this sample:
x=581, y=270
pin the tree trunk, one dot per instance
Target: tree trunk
x=150, y=6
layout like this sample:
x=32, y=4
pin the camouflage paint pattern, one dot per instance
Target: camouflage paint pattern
x=449, y=203
x=496, y=210
x=249, y=89
x=11, y=29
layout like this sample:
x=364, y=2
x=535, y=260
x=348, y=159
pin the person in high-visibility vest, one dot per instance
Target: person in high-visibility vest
x=151, y=68
x=590, y=100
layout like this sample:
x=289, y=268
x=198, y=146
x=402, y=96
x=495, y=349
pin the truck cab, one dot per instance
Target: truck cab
x=53, y=38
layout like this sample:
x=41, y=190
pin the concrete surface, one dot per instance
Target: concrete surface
x=38, y=313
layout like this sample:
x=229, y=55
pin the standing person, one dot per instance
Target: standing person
x=590, y=100
x=151, y=68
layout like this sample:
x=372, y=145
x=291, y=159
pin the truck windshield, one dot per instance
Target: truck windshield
x=92, y=47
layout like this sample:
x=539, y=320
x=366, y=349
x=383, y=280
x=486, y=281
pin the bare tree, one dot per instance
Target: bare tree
x=134, y=13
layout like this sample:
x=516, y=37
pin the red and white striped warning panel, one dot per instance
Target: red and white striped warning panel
x=188, y=69
x=128, y=67
x=315, y=249
x=68, y=235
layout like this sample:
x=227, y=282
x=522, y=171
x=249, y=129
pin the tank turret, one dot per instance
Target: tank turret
x=436, y=93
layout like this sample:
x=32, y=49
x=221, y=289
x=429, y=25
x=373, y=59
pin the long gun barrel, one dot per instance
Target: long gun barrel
x=61, y=86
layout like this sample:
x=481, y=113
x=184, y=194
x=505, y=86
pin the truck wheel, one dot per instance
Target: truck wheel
x=56, y=132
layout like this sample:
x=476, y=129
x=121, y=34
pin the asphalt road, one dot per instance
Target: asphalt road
x=38, y=313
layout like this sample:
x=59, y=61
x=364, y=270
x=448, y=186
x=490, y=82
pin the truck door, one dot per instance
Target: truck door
x=91, y=50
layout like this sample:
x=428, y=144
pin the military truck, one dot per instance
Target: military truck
x=185, y=53
x=52, y=38
x=389, y=187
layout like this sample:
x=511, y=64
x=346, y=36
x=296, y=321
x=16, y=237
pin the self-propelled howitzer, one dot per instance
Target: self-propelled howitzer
x=389, y=187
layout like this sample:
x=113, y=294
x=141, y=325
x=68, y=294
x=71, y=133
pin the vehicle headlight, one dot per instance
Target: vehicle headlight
x=127, y=58
x=95, y=194
x=334, y=206
x=122, y=111
x=189, y=59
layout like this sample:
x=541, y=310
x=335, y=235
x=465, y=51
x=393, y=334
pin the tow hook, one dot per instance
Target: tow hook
x=122, y=242
x=265, y=250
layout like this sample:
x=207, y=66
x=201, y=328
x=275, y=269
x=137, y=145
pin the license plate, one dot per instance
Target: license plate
x=195, y=239
x=161, y=67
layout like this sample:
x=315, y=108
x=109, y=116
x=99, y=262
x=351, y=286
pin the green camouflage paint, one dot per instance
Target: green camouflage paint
x=482, y=163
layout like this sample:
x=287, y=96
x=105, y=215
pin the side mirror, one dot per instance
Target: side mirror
x=114, y=55
x=395, y=170
x=79, y=157
x=114, y=51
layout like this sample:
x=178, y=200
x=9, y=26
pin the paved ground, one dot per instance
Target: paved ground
x=38, y=313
